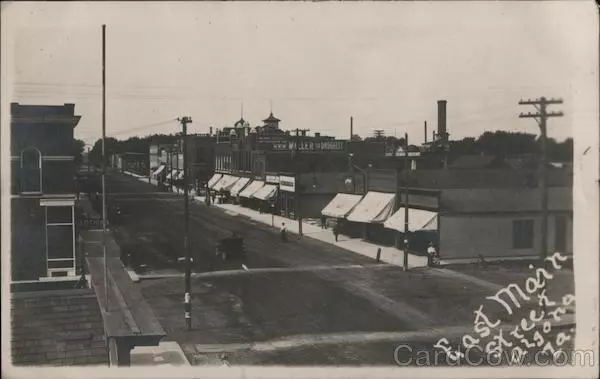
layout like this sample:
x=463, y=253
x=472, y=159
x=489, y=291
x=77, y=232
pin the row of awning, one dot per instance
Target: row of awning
x=243, y=187
x=175, y=174
x=378, y=207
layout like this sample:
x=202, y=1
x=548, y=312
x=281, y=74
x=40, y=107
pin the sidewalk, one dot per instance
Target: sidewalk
x=389, y=255
x=167, y=352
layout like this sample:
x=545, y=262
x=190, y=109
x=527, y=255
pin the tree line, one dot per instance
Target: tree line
x=498, y=143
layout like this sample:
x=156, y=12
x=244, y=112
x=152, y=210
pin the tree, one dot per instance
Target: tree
x=465, y=146
x=110, y=147
x=501, y=143
x=77, y=151
x=355, y=137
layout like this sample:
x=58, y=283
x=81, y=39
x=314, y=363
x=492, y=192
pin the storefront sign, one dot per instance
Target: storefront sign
x=333, y=145
x=400, y=153
x=287, y=183
x=272, y=179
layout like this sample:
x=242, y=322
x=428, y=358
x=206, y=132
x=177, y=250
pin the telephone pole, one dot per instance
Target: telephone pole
x=104, y=254
x=297, y=180
x=541, y=117
x=188, y=269
x=406, y=241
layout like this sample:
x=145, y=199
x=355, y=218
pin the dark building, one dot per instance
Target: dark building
x=42, y=191
x=166, y=160
x=267, y=155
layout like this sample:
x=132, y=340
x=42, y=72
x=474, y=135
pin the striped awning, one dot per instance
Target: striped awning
x=212, y=181
x=239, y=186
x=252, y=188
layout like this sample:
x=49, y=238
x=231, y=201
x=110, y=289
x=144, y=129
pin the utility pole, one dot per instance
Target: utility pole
x=297, y=180
x=188, y=269
x=406, y=242
x=104, y=168
x=351, y=127
x=541, y=117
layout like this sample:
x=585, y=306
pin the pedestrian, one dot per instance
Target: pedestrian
x=323, y=222
x=283, y=232
x=431, y=255
x=336, y=232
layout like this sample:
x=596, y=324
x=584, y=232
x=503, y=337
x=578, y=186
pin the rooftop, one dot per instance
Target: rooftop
x=271, y=118
x=57, y=327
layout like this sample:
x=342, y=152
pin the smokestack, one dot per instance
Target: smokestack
x=442, y=120
x=425, y=131
x=351, y=127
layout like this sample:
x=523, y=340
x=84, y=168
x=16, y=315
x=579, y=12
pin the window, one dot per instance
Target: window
x=522, y=234
x=31, y=170
x=60, y=239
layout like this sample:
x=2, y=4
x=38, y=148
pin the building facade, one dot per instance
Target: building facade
x=298, y=165
x=42, y=191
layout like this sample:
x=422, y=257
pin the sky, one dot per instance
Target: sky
x=314, y=64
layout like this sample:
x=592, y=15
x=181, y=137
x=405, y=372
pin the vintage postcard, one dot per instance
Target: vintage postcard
x=307, y=189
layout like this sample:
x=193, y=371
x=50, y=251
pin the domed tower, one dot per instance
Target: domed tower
x=272, y=121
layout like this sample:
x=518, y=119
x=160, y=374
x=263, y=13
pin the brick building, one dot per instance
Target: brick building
x=262, y=158
x=42, y=191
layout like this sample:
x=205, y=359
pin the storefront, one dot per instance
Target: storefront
x=370, y=213
x=224, y=185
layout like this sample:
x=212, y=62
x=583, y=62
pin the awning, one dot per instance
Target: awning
x=341, y=205
x=239, y=186
x=266, y=192
x=252, y=188
x=215, y=178
x=418, y=219
x=374, y=207
x=172, y=174
x=225, y=183
x=159, y=170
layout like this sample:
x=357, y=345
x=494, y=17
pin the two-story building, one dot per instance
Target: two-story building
x=42, y=191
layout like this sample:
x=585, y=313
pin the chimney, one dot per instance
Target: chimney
x=442, y=120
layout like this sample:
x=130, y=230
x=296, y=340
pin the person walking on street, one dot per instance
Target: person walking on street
x=323, y=222
x=431, y=255
x=283, y=232
x=336, y=232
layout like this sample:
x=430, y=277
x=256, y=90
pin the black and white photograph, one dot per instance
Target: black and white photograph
x=300, y=189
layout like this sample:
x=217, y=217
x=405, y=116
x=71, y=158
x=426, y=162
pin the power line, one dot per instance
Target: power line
x=541, y=117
